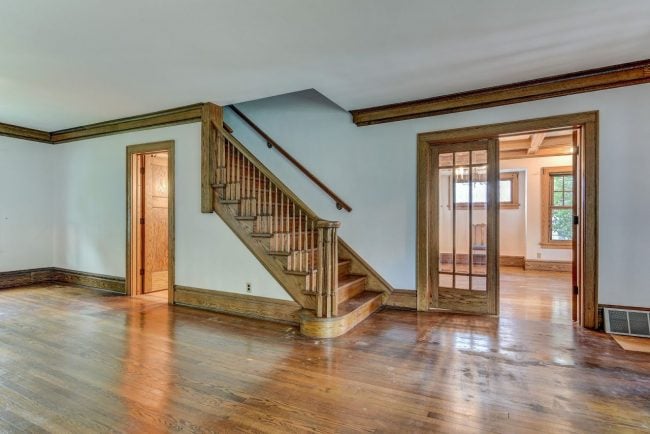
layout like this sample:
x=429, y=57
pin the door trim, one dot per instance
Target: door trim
x=588, y=276
x=147, y=148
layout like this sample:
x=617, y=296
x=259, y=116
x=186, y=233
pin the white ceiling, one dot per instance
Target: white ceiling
x=66, y=63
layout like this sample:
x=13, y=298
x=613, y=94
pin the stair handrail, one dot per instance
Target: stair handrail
x=340, y=203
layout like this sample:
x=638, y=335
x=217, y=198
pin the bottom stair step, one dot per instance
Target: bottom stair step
x=351, y=312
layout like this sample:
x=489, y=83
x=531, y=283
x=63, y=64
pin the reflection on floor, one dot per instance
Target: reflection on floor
x=78, y=360
x=535, y=295
x=157, y=296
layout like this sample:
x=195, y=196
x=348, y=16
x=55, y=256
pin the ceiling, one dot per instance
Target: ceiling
x=67, y=63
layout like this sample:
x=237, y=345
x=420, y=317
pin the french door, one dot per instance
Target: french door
x=464, y=228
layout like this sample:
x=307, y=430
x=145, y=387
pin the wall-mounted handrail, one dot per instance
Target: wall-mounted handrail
x=340, y=204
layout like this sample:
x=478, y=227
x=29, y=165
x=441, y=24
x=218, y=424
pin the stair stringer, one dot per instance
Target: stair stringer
x=292, y=284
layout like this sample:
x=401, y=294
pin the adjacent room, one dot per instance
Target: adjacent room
x=333, y=216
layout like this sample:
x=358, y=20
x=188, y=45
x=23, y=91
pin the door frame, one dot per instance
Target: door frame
x=150, y=148
x=588, y=155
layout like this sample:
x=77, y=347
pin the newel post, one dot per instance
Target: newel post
x=327, y=268
x=210, y=114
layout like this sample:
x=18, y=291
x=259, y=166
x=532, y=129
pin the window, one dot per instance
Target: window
x=557, y=207
x=508, y=192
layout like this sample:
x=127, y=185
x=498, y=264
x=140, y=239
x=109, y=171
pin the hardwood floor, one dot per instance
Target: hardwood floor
x=79, y=360
x=535, y=295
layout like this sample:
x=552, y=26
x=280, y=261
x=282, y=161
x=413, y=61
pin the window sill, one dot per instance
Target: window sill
x=557, y=245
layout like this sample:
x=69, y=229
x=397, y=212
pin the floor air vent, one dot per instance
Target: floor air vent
x=627, y=322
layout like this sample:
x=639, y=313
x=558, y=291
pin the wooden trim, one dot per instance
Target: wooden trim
x=340, y=203
x=546, y=201
x=90, y=280
x=512, y=261
x=403, y=299
x=30, y=134
x=548, y=265
x=250, y=306
x=588, y=155
x=211, y=114
x=175, y=116
x=11, y=279
x=626, y=74
x=131, y=150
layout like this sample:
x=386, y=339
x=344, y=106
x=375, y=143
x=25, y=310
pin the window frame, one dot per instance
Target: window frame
x=513, y=177
x=547, y=175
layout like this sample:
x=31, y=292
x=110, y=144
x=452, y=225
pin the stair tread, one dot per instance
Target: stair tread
x=357, y=301
x=350, y=279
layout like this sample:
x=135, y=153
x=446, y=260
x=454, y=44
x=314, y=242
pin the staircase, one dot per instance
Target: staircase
x=334, y=286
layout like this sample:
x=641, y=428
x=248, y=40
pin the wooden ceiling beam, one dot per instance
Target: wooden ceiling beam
x=626, y=74
x=535, y=142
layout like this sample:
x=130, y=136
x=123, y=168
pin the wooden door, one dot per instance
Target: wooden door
x=463, y=247
x=155, y=224
x=575, y=258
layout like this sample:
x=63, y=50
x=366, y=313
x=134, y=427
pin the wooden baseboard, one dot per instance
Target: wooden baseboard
x=403, y=299
x=12, y=279
x=512, y=261
x=541, y=265
x=90, y=280
x=238, y=304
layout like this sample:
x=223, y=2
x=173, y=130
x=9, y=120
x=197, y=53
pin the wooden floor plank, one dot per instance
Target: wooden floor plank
x=79, y=360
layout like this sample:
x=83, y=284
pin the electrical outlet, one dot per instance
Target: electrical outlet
x=539, y=255
x=249, y=289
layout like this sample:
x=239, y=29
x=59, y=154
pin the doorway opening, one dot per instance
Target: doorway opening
x=538, y=224
x=469, y=179
x=150, y=221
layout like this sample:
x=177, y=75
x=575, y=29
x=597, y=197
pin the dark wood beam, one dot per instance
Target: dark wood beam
x=626, y=74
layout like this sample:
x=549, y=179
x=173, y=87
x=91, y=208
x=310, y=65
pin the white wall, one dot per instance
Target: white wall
x=374, y=169
x=26, y=204
x=90, y=217
x=532, y=206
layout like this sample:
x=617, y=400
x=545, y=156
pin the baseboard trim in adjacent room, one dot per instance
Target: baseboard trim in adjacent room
x=250, y=306
x=512, y=261
x=12, y=279
x=544, y=265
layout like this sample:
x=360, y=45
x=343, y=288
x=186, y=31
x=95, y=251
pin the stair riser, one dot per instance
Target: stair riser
x=344, y=269
x=349, y=291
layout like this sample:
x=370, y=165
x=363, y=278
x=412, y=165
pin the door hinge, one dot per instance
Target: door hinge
x=576, y=291
x=576, y=220
x=141, y=271
x=141, y=220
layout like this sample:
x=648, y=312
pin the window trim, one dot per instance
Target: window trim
x=513, y=177
x=547, y=174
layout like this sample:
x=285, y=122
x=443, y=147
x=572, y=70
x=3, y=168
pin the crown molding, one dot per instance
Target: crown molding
x=175, y=116
x=627, y=74
x=18, y=132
